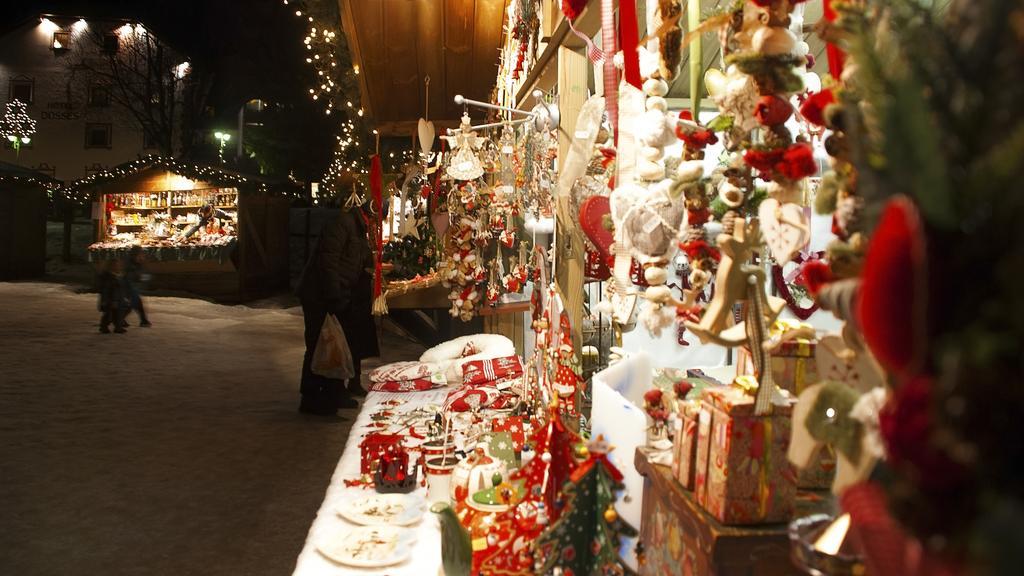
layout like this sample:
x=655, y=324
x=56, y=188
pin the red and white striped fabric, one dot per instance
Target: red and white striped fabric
x=476, y=372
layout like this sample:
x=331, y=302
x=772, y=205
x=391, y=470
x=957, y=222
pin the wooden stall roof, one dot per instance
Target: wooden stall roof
x=158, y=174
x=398, y=43
x=15, y=173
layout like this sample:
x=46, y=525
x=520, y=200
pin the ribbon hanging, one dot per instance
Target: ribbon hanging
x=630, y=41
x=377, y=191
x=836, y=56
x=608, y=70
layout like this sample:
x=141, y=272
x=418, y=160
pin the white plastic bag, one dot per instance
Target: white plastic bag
x=332, y=357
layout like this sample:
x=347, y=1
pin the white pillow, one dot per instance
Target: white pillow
x=448, y=355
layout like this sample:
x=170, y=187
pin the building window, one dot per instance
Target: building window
x=99, y=95
x=23, y=88
x=97, y=136
x=61, y=41
x=149, y=141
x=110, y=43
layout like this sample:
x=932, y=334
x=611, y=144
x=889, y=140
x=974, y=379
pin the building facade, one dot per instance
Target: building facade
x=80, y=127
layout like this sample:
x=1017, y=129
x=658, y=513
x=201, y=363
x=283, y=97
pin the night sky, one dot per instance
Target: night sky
x=253, y=47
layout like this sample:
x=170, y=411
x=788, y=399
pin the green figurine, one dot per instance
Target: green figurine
x=456, y=547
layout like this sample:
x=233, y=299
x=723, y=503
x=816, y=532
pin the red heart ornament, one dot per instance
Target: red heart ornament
x=594, y=212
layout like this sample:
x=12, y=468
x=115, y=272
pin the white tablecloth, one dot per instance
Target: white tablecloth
x=426, y=555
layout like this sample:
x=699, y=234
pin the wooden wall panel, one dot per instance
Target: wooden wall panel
x=430, y=58
x=459, y=19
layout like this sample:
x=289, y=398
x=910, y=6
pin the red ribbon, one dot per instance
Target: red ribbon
x=836, y=57
x=630, y=41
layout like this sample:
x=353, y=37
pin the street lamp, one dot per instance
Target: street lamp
x=223, y=137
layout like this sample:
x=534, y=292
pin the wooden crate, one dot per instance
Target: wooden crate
x=681, y=538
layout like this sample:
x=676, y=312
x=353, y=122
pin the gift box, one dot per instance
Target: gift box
x=685, y=465
x=700, y=461
x=476, y=372
x=373, y=447
x=749, y=479
x=793, y=364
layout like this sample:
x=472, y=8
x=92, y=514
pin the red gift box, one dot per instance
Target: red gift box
x=477, y=372
x=373, y=446
x=748, y=478
x=685, y=465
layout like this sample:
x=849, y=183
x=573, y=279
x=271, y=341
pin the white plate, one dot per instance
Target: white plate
x=369, y=546
x=383, y=509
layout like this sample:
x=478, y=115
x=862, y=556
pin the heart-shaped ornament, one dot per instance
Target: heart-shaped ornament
x=785, y=228
x=595, y=212
x=425, y=130
x=838, y=362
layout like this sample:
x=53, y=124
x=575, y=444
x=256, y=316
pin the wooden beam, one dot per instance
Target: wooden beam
x=543, y=75
x=349, y=27
x=571, y=249
x=406, y=127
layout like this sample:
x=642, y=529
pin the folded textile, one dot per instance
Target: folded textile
x=477, y=372
x=406, y=370
x=416, y=385
x=475, y=397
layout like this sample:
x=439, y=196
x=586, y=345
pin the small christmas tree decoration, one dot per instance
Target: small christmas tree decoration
x=16, y=125
x=587, y=536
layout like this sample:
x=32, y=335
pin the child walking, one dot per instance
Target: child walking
x=111, y=301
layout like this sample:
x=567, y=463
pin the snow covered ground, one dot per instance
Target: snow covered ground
x=175, y=449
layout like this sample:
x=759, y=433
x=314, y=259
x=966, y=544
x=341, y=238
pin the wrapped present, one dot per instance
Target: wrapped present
x=685, y=465
x=793, y=362
x=477, y=372
x=514, y=426
x=749, y=479
x=700, y=461
x=373, y=447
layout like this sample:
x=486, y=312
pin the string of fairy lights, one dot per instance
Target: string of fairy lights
x=16, y=126
x=323, y=44
x=81, y=190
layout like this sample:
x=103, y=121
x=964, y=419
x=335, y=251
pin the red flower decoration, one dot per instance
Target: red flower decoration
x=694, y=138
x=653, y=396
x=699, y=249
x=772, y=110
x=682, y=388
x=813, y=108
x=892, y=294
x=814, y=274
x=698, y=217
x=763, y=160
x=797, y=162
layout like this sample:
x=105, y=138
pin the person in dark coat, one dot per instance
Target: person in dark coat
x=111, y=300
x=131, y=279
x=337, y=280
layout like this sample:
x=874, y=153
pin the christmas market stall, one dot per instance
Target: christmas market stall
x=23, y=203
x=779, y=392
x=201, y=229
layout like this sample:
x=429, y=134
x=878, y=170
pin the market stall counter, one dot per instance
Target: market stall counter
x=200, y=229
x=334, y=538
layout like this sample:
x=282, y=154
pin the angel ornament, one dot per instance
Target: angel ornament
x=465, y=164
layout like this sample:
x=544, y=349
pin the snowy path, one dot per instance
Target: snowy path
x=171, y=450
